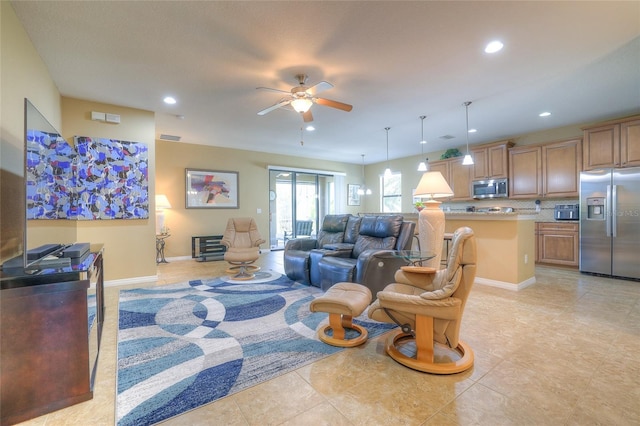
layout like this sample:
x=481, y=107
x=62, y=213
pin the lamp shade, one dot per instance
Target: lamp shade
x=162, y=202
x=301, y=104
x=433, y=185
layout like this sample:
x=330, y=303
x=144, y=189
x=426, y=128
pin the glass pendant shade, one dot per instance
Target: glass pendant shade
x=387, y=171
x=422, y=167
x=301, y=105
x=467, y=160
x=363, y=190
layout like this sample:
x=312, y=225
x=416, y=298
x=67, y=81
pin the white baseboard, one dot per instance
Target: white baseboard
x=503, y=284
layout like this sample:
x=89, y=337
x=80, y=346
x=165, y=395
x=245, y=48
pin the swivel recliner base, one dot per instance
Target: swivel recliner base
x=424, y=358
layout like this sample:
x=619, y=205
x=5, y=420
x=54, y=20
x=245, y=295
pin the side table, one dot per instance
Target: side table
x=160, y=242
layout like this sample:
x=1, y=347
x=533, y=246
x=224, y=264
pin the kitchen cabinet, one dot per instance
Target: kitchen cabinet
x=491, y=160
x=547, y=171
x=612, y=144
x=558, y=243
x=561, y=168
x=525, y=172
x=457, y=175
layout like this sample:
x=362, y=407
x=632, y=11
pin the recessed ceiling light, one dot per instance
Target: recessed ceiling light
x=494, y=46
x=544, y=114
x=473, y=130
x=310, y=128
x=169, y=100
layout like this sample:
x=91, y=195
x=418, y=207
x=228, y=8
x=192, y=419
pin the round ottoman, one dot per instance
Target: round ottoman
x=343, y=301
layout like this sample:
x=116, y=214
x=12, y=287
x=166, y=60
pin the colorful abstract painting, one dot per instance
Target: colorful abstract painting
x=112, y=179
x=50, y=178
x=98, y=179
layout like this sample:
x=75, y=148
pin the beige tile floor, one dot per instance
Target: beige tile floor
x=561, y=352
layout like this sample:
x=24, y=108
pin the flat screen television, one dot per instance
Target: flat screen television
x=48, y=184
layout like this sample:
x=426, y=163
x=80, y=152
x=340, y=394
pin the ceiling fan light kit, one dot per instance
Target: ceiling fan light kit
x=301, y=104
x=302, y=97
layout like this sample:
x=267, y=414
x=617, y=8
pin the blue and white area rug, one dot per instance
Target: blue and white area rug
x=185, y=345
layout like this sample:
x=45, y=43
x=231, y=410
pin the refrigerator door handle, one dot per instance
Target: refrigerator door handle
x=607, y=212
x=614, y=211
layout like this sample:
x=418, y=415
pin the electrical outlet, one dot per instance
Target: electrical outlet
x=526, y=259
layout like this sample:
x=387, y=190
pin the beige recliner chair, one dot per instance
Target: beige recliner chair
x=428, y=306
x=242, y=240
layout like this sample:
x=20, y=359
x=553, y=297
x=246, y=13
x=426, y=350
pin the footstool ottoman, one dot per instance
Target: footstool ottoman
x=343, y=302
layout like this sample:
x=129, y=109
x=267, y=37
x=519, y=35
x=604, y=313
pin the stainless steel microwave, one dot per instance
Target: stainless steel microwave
x=490, y=188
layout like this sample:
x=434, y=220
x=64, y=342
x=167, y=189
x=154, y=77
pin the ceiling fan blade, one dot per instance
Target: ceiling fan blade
x=307, y=116
x=319, y=87
x=334, y=104
x=272, y=89
x=280, y=104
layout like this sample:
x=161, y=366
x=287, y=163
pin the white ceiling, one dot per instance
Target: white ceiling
x=393, y=61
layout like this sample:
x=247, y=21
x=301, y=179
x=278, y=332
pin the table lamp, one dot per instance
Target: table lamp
x=431, y=219
x=162, y=203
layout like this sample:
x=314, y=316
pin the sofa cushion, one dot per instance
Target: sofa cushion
x=377, y=232
x=352, y=230
x=332, y=231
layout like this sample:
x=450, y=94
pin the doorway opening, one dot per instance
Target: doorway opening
x=298, y=200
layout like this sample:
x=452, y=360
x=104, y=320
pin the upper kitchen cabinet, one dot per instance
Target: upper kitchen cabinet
x=525, y=172
x=561, y=168
x=457, y=176
x=612, y=144
x=491, y=160
x=551, y=170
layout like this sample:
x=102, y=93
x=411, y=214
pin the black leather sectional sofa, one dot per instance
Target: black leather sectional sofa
x=350, y=249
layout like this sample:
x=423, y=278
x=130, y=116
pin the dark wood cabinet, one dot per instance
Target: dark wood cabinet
x=45, y=357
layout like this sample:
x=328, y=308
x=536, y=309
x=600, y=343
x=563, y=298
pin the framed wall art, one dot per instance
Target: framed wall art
x=353, y=198
x=211, y=189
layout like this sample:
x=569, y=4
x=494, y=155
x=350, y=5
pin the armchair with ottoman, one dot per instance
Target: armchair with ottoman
x=428, y=306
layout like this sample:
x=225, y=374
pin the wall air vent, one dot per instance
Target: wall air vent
x=170, y=138
x=446, y=137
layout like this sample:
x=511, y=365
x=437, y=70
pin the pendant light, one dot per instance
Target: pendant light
x=387, y=171
x=363, y=190
x=422, y=167
x=467, y=160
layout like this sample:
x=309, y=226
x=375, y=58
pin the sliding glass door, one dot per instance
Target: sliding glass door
x=298, y=201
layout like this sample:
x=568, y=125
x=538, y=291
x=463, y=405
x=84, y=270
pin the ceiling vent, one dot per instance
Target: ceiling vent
x=170, y=138
x=446, y=137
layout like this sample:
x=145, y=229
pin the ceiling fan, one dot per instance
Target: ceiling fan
x=301, y=97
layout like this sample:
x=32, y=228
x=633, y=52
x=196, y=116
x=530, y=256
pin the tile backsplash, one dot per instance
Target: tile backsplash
x=520, y=206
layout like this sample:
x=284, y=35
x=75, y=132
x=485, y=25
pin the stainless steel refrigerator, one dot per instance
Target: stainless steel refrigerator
x=610, y=222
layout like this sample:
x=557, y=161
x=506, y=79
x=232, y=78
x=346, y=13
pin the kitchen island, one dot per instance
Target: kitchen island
x=505, y=246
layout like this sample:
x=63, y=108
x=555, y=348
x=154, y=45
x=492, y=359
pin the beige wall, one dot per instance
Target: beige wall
x=22, y=75
x=129, y=244
x=173, y=157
